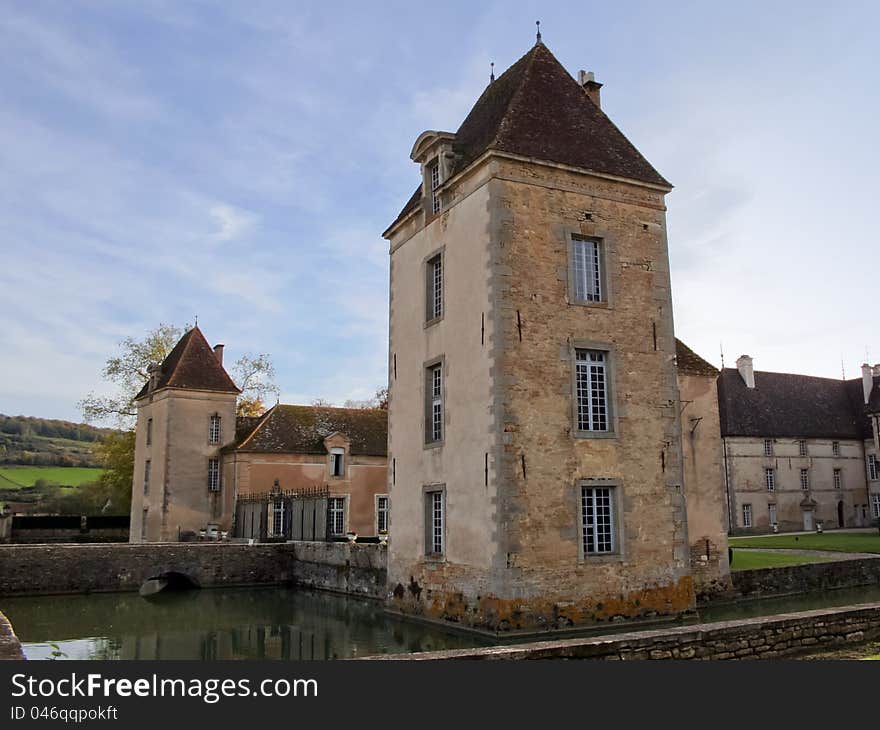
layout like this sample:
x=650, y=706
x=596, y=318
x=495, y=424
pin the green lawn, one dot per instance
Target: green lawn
x=12, y=477
x=750, y=559
x=846, y=542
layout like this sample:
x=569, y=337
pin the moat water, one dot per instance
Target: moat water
x=278, y=623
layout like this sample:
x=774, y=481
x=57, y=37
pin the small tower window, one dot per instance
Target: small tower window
x=434, y=181
x=214, y=475
x=214, y=430
x=149, y=432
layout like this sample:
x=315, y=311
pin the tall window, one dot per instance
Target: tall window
x=277, y=517
x=337, y=462
x=772, y=510
x=770, y=479
x=591, y=378
x=835, y=448
x=434, y=287
x=837, y=479
x=144, y=524
x=147, y=477
x=382, y=514
x=435, y=515
x=214, y=475
x=805, y=478
x=873, y=467
x=434, y=173
x=768, y=447
x=875, y=505
x=586, y=268
x=747, y=515
x=802, y=447
x=214, y=430
x=149, y=432
x=434, y=404
x=336, y=515
x=597, y=520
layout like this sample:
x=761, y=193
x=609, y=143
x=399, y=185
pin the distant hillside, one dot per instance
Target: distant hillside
x=30, y=441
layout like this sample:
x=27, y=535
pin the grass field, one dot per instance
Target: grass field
x=12, y=477
x=751, y=559
x=845, y=542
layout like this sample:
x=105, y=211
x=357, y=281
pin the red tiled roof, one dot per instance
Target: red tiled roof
x=192, y=365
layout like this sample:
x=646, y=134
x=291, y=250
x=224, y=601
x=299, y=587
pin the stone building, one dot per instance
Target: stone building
x=341, y=451
x=194, y=459
x=534, y=425
x=799, y=450
x=185, y=415
x=703, y=470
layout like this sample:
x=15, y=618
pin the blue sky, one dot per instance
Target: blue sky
x=239, y=161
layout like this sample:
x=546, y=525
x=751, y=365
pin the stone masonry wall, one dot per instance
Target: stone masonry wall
x=538, y=577
x=758, y=638
x=807, y=578
x=46, y=569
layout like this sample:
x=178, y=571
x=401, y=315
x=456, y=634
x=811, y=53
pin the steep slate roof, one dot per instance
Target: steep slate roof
x=690, y=363
x=536, y=109
x=796, y=406
x=302, y=429
x=192, y=364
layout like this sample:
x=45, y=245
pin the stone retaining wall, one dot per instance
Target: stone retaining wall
x=10, y=648
x=757, y=638
x=43, y=569
x=806, y=578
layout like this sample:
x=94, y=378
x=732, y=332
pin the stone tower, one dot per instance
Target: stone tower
x=185, y=415
x=535, y=459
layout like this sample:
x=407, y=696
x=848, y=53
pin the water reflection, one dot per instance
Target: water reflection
x=280, y=623
x=261, y=623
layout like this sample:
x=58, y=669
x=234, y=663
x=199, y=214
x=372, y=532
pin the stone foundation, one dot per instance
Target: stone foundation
x=492, y=613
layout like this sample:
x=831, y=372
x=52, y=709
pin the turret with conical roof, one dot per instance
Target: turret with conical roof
x=185, y=415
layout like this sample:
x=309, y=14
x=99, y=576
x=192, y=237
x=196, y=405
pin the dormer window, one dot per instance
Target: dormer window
x=337, y=462
x=434, y=180
x=433, y=152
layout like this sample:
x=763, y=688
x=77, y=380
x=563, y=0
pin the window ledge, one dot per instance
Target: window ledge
x=432, y=322
x=433, y=445
x=600, y=559
x=594, y=434
x=590, y=305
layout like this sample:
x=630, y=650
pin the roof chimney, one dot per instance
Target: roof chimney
x=746, y=370
x=587, y=79
x=218, y=351
x=867, y=381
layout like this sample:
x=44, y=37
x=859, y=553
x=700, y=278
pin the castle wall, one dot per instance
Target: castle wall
x=179, y=499
x=704, y=482
x=514, y=557
x=746, y=464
